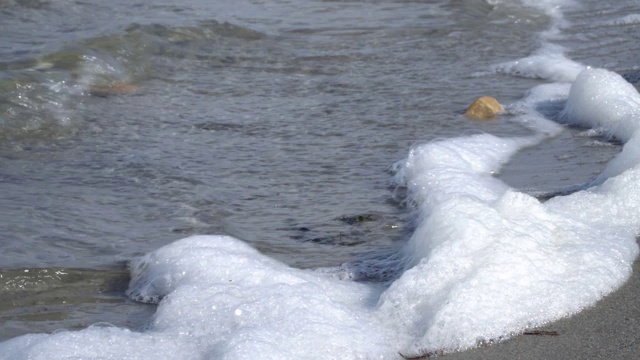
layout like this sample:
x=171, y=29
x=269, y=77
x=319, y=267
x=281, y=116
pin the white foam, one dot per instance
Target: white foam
x=548, y=63
x=238, y=303
x=98, y=343
x=629, y=19
x=604, y=100
x=548, y=6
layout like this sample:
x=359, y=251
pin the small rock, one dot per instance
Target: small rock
x=484, y=108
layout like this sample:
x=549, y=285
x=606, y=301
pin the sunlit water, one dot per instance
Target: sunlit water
x=273, y=122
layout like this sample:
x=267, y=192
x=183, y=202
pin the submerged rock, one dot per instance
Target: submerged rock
x=360, y=218
x=484, y=108
x=118, y=88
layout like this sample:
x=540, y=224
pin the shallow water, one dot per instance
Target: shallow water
x=273, y=122
x=44, y=296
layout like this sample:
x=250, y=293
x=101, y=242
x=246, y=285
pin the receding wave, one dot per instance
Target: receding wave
x=45, y=97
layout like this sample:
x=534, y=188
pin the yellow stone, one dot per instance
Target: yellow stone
x=484, y=108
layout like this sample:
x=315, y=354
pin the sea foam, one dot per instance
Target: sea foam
x=605, y=101
x=548, y=63
x=221, y=299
